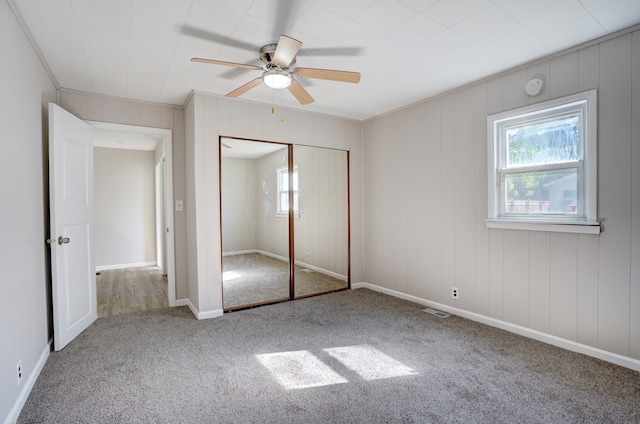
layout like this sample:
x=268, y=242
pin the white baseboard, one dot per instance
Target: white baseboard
x=304, y=265
x=594, y=352
x=240, y=252
x=123, y=266
x=28, y=386
x=199, y=315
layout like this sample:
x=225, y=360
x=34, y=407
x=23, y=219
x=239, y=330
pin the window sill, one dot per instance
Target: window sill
x=286, y=215
x=559, y=227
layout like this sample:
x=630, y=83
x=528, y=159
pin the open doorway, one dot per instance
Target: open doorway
x=133, y=218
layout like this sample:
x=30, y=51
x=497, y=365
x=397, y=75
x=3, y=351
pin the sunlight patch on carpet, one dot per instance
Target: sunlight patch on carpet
x=369, y=363
x=302, y=369
x=230, y=275
x=299, y=370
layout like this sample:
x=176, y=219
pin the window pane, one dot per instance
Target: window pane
x=542, y=192
x=284, y=201
x=295, y=201
x=284, y=180
x=544, y=142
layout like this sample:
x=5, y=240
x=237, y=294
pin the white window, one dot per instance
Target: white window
x=283, y=190
x=542, y=166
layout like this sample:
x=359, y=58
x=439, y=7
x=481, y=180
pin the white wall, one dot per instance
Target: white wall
x=24, y=218
x=120, y=111
x=207, y=117
x=124, y=208
x=239, y=205
x=425, y=201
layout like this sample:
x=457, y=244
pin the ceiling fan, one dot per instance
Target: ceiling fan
x=278, y=73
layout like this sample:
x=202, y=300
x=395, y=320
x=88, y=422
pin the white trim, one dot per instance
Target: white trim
x=168, y=191
x=568, y=227
x=282, y=258
x=240, y=252
x=272, y=255
x=182, y=302
x=322, y=271
x=12, y=417
x=199, y=315
x=614, y=358
x=580, y=104
x=123, y=266
x=216, y=313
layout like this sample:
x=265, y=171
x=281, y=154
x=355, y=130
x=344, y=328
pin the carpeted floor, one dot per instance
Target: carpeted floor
x=255, y=278
x=354, y=356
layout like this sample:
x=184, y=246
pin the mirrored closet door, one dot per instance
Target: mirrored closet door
x=255, y=223
x=321, y=224
x=282, y=204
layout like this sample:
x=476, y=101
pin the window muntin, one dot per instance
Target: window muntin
x=543, y=162
x=283, y=190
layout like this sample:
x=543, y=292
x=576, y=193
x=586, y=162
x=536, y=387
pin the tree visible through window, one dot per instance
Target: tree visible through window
x=543, y=160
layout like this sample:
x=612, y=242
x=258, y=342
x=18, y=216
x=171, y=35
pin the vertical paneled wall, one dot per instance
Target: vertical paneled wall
x=120, y=111
x=425, y=202
x=240, y=203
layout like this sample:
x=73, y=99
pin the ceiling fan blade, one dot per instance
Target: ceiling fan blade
x=286, y=51
x=243, y=89
x=331, y=51
x=328, y=74
x=220, y=62
x=224, y=40
x=300, y=93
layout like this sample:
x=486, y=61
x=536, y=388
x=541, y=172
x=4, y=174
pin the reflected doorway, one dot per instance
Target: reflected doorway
x=281, y=205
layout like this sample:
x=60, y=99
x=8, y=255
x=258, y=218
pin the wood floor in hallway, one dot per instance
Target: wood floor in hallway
x=122, y=291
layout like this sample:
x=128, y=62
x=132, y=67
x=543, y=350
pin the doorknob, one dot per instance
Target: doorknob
x=60, y=240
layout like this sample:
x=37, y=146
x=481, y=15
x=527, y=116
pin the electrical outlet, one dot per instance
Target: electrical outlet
x=19, y=370
x=308, y=255
x=455, y=293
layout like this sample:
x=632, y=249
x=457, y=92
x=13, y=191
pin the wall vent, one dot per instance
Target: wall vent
x=436, y=313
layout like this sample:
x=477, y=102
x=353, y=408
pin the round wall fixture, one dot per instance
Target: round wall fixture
x=534, y=87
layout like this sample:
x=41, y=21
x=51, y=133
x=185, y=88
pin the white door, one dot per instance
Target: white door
x=71, y=198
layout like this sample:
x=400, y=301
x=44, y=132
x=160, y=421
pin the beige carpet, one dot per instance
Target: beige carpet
x=255, y=278
x=355, y=356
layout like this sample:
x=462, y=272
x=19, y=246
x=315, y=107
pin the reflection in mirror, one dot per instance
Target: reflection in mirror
x=321, y=229
x=255, y=232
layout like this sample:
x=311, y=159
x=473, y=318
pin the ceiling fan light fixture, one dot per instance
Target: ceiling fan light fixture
x=276, y=79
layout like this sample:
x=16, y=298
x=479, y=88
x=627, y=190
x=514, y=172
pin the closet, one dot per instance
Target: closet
x=284, y=221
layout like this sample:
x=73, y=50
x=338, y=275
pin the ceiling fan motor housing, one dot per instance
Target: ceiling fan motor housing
x=266, y=56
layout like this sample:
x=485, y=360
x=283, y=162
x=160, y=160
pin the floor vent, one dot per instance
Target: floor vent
x=436, y=313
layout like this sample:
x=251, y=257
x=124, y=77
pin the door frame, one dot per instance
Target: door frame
x=169, y=239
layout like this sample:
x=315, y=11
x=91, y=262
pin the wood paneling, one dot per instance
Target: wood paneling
x=563, y=285
x=584, y=288
x=614, y=194
x=634, y=298
x=539, y=281
x=516, y=277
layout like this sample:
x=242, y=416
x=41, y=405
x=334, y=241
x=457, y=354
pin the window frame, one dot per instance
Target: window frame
x=581, y=104
x=285, y=212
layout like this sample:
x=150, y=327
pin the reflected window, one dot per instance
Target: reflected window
x=283, y=190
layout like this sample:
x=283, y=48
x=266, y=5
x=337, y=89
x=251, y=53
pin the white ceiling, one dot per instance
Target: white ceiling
x=406, y=50
x=126, y=140
x=246, y=149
